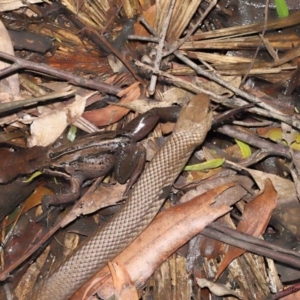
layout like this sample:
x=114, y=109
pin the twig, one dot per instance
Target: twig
x=222, y=82
x=8, y=292
x=258, y=249
x=20, y=63
x=147, y=26
x=159, y=51
x=8, y=106
x=85, y=125
x=253, y=124
x=193, y=28
x=254, y=140
x=292, y=19
x=231, y=102
x=258, y=48
x=292, y=120
x=143, y=38
x=99, y=39
x=251, y=239
x=182, y=83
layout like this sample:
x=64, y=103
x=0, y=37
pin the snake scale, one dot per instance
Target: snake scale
x=140, y=208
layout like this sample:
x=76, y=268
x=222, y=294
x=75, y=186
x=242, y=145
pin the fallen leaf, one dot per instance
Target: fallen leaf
x=47, y=128
x=232, y=195
x=179, y=21
x=216, y=288
x=244, y=148
x=113, y=113
x=284, y=187
x=13, y=193
x=169, y=231
x=123, y=286
x=277, y=135
x=256, y=216
x=24, y=288
x=103, y=196
x=33, y=200
x=15, y=4
x=167, y=128
x=169, y=97
x=20, y=161
x=211, y=164
x=150, y=16
x=10, y=84
x=192, y=177
x=220, y=90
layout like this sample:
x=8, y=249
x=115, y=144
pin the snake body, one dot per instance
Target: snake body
x=140, y=208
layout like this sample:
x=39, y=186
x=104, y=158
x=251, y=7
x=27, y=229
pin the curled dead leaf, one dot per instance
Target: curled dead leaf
x=256, y=216
x=113, y=113
x=169, y=231
x=47, y=128
x=216, y=288
x=123, y=286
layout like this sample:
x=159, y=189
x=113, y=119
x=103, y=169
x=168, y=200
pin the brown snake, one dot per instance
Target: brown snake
x=141, y=206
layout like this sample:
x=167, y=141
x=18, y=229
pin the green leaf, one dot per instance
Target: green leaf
x=281, y=8
x=245, y=148
x=211, y=164
x=34, y=175
x=72, y=133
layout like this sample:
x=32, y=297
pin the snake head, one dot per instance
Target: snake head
x=196, y=116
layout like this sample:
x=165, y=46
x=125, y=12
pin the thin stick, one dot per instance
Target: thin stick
x=182, y=83
x=147, y=26
x=20, y=63
x=159, y=51
x=258, y=249
x=193, y=28
x=222, y=82
x=143, y=38
x=231, y=102
x=259, y=46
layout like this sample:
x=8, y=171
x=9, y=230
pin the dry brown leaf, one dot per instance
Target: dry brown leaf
x=103, y=196
x=8, y=5
x=192, y=177
x=47, y=128
x=211, y=248
x=36, y=197
x=26, y=283
x=9, y=85
x=123, y=286
x=284, y=187
x=116, y=65
x=131, y=8
x=145, y=4
x=148, y=15
x=113, y=113
x=171, y=96
x=242, y=185
x=216, y=288
x=169, y=231
x=293, y=296
x=152, y=145
x=220, y=90
x=33, y=200
x=256, y=217
x=179, y=20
